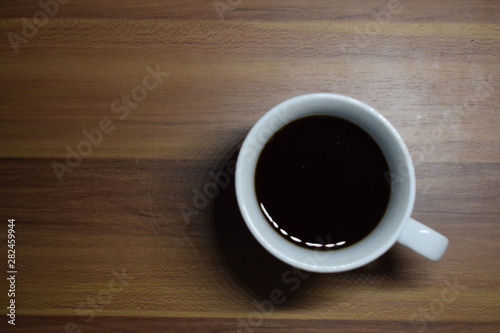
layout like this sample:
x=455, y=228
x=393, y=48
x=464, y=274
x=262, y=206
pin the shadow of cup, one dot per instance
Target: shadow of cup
x=265, y=277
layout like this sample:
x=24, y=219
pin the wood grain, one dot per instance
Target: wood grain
x=122, y=242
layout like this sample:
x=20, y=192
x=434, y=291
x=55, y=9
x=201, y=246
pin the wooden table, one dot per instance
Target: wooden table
x=117, y=117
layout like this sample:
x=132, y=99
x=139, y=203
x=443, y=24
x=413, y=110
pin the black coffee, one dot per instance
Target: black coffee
x=321, y=182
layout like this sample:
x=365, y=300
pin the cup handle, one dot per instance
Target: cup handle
x=423, y=240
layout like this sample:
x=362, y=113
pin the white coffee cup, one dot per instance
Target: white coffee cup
x=395, y=226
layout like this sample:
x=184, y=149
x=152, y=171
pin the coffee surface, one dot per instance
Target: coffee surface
x=321, y=182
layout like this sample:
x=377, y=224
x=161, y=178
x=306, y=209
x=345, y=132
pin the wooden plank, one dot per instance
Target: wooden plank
x=119, y=235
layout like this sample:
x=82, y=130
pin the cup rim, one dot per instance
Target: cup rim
x=242, y=170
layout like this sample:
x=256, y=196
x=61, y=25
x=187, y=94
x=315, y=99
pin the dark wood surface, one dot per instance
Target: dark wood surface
x=120, y=239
